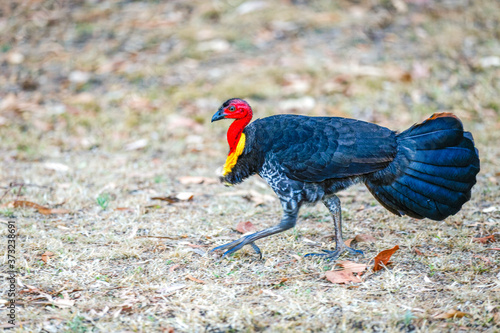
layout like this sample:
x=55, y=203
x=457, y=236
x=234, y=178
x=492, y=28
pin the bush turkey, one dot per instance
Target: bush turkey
x=426, y=171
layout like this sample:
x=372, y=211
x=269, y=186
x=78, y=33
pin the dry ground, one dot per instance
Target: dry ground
x=105, y=104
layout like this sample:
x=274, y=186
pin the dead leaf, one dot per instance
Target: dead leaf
x=245, y=227
x=176, y=122
x=365, y=238
x=46, y=256
x=7, y=326
x=139, y=103
x=173, y=268
x=282, y=280
x=171, y=288
x=285, y=262
x=198, y=251
x=352, y=266
x=418, y=252
x=310, y=242
x=63, y=302
x=493, y=249
x=124, y=209
x=496, y=317
x=258, y=198
x=136, y=145
x=340, y=277
x=486, y=260
x=484, y=240
x=272, y=294
x=252, y=195
x=491, y=209
x=56, y=166
x=54, y=211
x=192, y=278
x=15, y=58
x=348, y=242
x=383, y=258
x=451, y=314
x=195, y=246
x=41, y=209
x=188, y=180
x=182, y=196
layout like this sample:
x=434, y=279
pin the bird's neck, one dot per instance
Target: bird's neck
x=234, y=132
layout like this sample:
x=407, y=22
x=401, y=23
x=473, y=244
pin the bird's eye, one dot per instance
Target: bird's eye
x=231, y=108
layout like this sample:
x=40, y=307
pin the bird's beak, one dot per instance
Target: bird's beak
x=218, y=115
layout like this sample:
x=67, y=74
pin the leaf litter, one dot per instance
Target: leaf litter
x=41, y=209
x=123, y=49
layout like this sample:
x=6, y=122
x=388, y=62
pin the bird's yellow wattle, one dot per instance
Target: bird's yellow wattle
x=232, y=158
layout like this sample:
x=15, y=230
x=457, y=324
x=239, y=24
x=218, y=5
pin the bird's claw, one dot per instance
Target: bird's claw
x=235, y=246
x=334, y=255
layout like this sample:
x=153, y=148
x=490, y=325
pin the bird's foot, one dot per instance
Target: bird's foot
x=234, y=246
x=334, y=255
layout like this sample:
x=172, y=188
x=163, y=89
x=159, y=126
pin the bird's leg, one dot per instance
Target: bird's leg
x=290, y=212
x=333, y=205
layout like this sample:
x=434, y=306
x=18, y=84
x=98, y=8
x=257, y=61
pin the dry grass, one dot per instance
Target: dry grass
x=84, y=83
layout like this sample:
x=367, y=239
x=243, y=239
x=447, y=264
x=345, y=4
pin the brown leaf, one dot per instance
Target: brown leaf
x=348, y=241
x=486, y=260
x=194, y=279
x=485, y=240
x=245, y=227
x=365, y=238
x=493, y=249
x=340, y=277
x=49, y=211
x=41, y=209
x=451, y=314
x=124, y=209
x=182, y=196
x=352, y=266
x=496, y=317
x=282, y=280
x=173, y=268
x=46, y=255
x=383, y=258
x=418, y=252
x=188, y=180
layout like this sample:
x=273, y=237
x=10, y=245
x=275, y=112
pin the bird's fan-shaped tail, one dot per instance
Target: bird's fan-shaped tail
x=436, y=166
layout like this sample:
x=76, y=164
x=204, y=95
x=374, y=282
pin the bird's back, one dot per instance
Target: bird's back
x=315, y=149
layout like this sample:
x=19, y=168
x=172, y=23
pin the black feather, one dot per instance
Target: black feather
x=438, y=173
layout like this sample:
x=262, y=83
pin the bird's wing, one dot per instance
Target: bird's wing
x=313, y=149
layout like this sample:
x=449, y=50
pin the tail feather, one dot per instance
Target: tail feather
x=449, y=184
x=451, y=156
x=436, y=172
x=465, y=174
x=437, y=139
x=430, y=191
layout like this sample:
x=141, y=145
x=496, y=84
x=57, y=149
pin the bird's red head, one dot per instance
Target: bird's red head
x=234, y=108
x=241, y=112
